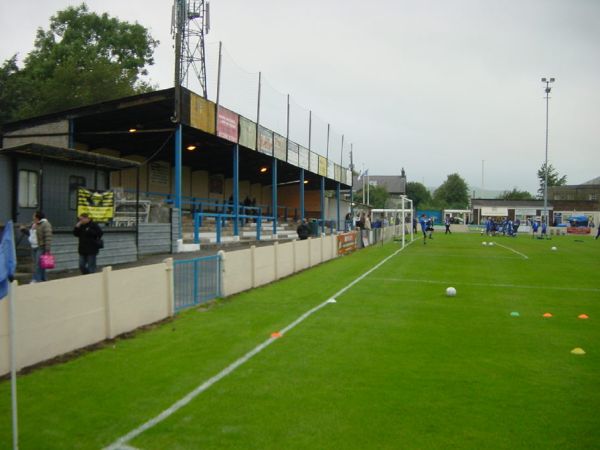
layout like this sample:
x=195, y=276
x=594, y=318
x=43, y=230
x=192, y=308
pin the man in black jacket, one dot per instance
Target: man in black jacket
x=303, y=230
x=90, y=242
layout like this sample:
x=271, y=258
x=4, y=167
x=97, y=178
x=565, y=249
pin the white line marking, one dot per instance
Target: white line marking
x=513, y=250
x=514, y=286
x=120, y=444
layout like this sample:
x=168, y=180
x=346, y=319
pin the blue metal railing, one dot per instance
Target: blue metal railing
x=196, y=280
x=203, y=204
x=221, y=218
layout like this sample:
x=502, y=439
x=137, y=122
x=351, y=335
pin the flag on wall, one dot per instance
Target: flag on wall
x=100, y=205
x=8, y=259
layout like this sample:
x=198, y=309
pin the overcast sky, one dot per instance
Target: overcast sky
x=434, y=86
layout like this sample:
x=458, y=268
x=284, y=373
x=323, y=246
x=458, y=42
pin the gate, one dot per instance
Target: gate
x=196, y=280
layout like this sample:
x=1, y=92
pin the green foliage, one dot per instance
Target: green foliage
x=12, y=86
x=418, y=193
x=453, y=193
x=82, y=58
x=515, y=194
x=378, y=196
x=554, y=179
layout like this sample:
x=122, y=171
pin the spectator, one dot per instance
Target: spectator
x=40, y=239
x=90, y=243
x=303, y=230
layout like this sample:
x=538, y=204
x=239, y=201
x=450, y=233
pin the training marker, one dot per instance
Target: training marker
x=547, y=315
x=515, y=314
x=583, y=316
x=578, y=351
x=332, y=300
x=276, y=335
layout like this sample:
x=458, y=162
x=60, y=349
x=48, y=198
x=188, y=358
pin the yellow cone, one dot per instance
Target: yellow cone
x=578, y=351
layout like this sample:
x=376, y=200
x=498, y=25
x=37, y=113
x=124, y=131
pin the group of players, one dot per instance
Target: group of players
x=506, y=227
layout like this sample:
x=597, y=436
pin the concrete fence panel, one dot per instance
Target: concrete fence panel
x=285, y=259
x=316, y=251
x=138, y=296
x=237, y=271
x=55, y=317
x=264, y=265
x=59, y=316
x=302, y=254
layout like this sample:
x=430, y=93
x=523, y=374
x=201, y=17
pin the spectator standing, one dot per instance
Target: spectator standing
x=90, y=243
x=303, y=230
x=447, y=224
x=40, y=239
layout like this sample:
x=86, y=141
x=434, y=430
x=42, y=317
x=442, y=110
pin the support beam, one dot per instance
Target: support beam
x=178, y=171
x=301, y=194
x=337, y=202
x=236, y=190
x=274, y=195
x=322, y=205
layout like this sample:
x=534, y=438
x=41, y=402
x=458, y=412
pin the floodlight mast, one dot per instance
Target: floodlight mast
x=190, y=22
x=547, y=91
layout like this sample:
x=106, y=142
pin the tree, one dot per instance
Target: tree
x=11, y=88
x=515, y=194
x=554, y=179
x=418, y=193
x=82, y=58
x=378, y=196
x=453, y=193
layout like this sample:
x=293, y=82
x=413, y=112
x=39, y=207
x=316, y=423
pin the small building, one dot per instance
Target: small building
x=395, y=185
x=512, y=209
x=583, y=199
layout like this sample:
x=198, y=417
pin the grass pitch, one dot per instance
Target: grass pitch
x=393, y=364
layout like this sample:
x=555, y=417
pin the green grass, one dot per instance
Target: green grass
x=394, y=364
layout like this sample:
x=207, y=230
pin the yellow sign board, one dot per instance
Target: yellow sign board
x=202, y=113
x=99, y=205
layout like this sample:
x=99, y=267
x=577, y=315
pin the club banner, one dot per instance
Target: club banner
x=100, y=205
x=346, y=242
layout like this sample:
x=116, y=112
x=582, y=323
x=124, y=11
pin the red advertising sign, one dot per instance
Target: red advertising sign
x=346, y=242
x=227, y=124
x=578, y=230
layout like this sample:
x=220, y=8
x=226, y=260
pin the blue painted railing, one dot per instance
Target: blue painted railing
x=196, y=281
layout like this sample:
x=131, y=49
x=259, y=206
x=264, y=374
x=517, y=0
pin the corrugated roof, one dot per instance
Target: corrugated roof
x=394, y=184
x=71, y=155
x=593, y=181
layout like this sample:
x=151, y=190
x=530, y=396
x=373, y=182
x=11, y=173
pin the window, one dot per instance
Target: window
x=593, y=197
x=75, y=182
x=28, y=189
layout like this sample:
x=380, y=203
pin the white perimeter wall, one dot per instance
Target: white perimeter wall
x=256, y=266
x=59, y=316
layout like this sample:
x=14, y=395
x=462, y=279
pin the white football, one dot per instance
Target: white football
x=484, y=243
x=451, y=292
x=491, y=243
x=554, y=249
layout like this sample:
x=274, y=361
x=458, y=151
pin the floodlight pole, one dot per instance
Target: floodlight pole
x=547, y=90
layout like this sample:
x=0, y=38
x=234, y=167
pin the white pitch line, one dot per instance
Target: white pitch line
x=513, y=250
x=513, y=286
x=121, y=443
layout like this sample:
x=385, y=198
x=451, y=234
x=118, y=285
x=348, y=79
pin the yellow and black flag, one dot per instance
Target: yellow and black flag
x=100, y=205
